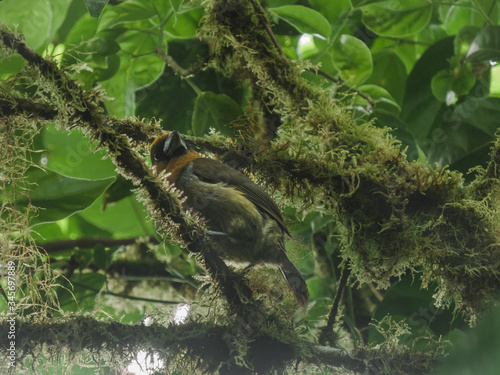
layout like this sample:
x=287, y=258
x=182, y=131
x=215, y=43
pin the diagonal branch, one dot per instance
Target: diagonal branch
x=163, y=204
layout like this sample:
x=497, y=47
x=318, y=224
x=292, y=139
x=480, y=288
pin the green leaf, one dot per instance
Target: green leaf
x=389, y=72
x=125, y=218
x=320, y=287
x=305, y=20
x=138, y=42
x=134, y=74
x=333, y=11
x=397, y=18
x=70, y=154
x=495, y=81
x=309, y=45
x=118, y=190
x=37, y=20
x=214, y=111
x=384, y=102
x=279, y=3
x=464, y=39
x=102, y=46
x=81, y=295
x=59, y=196
x=95, y=7
x=73, y=226
x=465, y=134
x=164, y=7
x=448, y=85
x=353, y=58
x=127, y=11
x=84, y=29
x=82, y=257
x=486, y=45
x=465, y=13
x=420, y=108
x=185, y=24
x=105, y=67
x=289, y=45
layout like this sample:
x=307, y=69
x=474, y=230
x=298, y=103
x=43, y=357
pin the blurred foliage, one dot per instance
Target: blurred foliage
x=430, y=69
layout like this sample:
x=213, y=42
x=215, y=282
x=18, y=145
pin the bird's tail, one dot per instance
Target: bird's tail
x=294, y=280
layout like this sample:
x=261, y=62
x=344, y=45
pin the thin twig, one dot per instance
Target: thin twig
x=87, y=243
x=179, y=70
x=125, y=296
x=326, y=331
x=343, y=84
x=267, y=27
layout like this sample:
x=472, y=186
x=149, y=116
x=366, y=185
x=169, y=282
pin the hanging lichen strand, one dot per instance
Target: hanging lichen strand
x=395, y=214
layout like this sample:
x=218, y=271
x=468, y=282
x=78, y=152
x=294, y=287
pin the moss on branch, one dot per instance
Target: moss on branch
x=396, y=215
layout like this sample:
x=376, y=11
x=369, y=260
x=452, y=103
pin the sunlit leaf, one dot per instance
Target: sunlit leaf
x=353, y=58
x=304, y=19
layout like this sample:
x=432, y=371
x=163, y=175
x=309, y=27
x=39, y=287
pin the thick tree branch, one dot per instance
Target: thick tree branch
x=394, y=214
x=210, y=343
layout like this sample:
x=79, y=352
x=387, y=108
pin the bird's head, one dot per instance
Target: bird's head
x=165, y=148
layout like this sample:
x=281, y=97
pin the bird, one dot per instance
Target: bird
x=242, y=219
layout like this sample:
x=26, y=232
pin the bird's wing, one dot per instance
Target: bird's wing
x=212, y=171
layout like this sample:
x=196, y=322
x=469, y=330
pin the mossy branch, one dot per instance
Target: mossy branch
x=395, y=215
x=207, y=345
x=114, y=136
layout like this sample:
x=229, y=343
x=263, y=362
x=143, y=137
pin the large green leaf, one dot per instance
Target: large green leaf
x=464, y=136
x=127, y=11
x=125, y=218
x=57, y=196
x=389, y=72
x=463, y=13
x=397, y=18
x=304, y=19
x=486, y=45
x=70, y=154
x=37, y=20
x=214, y=111
x=118, y=190
x=333, y=11
x=134, y=73
x=420, y=108
x=72, y=227
x=138, y=42
x=353, y=58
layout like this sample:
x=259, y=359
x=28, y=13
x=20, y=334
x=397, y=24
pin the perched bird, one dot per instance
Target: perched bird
x=245, y=222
